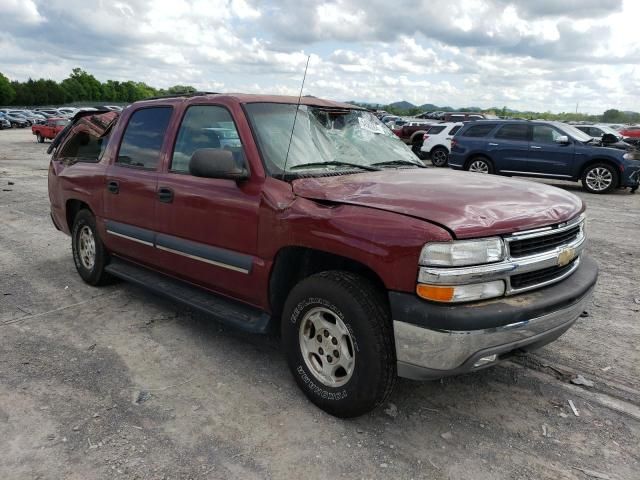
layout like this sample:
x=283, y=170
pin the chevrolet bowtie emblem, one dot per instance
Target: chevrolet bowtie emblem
x=565, y=256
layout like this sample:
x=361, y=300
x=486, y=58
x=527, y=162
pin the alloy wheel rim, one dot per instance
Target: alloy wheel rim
x=599, y=179
x=439, y=157
x=479, y=166
x=326, y=347
x=87, y=248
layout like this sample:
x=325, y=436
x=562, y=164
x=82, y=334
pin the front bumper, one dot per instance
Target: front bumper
x=434, y=341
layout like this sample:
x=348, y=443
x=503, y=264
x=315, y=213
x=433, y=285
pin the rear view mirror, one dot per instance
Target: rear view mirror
x=562, y=139
x=609, y=138
x=216, y=163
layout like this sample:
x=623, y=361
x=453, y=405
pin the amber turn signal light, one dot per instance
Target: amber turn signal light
x=435, y=293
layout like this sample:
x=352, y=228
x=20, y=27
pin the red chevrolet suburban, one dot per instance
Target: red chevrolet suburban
x=316, y=221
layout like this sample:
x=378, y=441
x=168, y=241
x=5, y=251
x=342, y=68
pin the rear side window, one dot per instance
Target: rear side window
x=436, y=130
x=479, y=130
x=205, y=126
x=514, y=132
x=455, y=129
x=143, y=138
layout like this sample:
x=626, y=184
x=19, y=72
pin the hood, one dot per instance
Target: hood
x=467, y=204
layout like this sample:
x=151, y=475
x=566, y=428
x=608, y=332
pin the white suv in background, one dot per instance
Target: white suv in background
x=436, y=142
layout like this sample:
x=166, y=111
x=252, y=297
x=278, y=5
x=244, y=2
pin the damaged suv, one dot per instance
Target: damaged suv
x=314, y=220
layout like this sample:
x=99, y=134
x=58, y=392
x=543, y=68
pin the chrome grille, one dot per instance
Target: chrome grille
x=538, y=277
x=531, y=246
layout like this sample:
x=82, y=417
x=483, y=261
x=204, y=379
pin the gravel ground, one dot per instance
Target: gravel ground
x=118, y=383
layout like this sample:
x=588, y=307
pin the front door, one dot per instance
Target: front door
x=547, y=156
x=208, y=227
x=130, y=190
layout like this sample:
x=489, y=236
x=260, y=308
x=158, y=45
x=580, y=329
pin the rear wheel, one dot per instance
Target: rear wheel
x=40, y=138
x=337, y=337
x=480, y=165
x=416, y=147
x=89, y=254
x=439, y=157
x=599, y=178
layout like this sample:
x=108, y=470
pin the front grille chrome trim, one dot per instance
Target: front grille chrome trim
x=513, y=265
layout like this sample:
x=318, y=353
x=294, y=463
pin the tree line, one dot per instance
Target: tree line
x=79, y=86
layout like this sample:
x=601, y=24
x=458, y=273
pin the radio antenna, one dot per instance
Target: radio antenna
x=286, y=159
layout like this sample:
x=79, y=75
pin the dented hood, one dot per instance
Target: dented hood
x=468, y=204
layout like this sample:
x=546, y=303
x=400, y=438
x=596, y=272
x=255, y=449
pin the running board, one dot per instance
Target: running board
x=230, y=312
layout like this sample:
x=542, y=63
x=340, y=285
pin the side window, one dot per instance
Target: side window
x=545, y=134
x=205, y=126
x=479, y=130
x=514, y=132
x=83, y=145
x=143, y=137
x=435, y=130
x=455, y=129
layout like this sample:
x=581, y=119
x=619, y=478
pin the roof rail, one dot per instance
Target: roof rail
x=178, y=95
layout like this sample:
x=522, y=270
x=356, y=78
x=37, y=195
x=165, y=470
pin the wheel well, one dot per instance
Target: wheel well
x=417, y=134
x=293, y=264
x=72, y=209
x=615, y=167
x=474, y=156
x=439, y=146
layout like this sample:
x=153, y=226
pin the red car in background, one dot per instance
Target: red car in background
x=631, y=132
x=50, y=129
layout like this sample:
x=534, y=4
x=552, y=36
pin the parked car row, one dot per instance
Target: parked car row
x=545, y=150
x=23, y=118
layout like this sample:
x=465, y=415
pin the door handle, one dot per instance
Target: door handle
x=113, y=186
x=165, y=195
x=493, y=144
x=536, y=147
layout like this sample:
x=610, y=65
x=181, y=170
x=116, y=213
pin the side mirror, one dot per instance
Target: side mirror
x=609, y=138
x=216, y=163
x=562, y=139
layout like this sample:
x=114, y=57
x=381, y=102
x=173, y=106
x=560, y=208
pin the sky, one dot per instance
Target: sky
x=542, y=55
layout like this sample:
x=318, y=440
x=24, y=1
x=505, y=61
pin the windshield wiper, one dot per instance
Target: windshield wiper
x=399, y=162
x=335, y=162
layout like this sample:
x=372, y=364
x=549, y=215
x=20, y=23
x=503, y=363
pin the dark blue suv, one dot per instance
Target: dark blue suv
x=544, y=150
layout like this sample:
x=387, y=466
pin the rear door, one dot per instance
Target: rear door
x=546, y=155
x=130, y=190
x=208, y=227
x=510, y=147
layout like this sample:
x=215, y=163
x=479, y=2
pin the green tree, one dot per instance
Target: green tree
x=7, y=93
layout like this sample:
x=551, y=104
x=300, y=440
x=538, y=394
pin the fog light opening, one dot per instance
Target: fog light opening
x=486, y=360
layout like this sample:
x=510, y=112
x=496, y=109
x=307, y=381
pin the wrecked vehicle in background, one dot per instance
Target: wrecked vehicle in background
x=316, y=221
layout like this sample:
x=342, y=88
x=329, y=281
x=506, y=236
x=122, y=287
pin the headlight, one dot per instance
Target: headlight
x=460, y=293
x=628, y=156
x=462, y=253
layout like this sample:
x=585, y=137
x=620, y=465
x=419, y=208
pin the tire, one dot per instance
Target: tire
x=83, y=232
x=439, y=157
x=40, y=138
x=416, y=147
x=480, y=165
x=352, y=320
x=599, y=178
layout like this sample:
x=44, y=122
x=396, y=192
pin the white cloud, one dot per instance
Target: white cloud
x=543, y=55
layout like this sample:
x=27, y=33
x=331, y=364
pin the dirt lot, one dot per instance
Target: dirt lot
x=118, y=383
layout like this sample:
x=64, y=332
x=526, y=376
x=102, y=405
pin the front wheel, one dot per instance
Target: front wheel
x=337, y=337
x=599, y=178
x=40, y=138
x=480, y=165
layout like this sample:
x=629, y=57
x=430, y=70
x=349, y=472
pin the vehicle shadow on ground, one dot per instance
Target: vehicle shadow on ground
x=449, y=396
